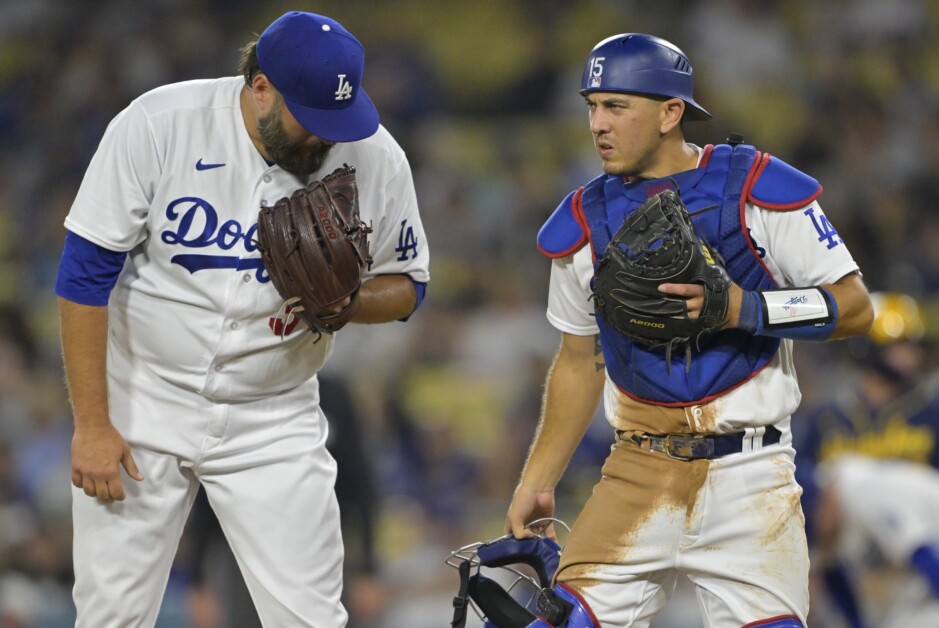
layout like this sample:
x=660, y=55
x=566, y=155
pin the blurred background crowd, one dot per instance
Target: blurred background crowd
x=432, y=418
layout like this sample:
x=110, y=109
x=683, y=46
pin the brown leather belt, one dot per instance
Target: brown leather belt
x=700, y=446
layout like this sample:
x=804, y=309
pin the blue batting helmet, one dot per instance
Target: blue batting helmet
x=642, y=64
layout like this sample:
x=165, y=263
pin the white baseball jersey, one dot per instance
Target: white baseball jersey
x=794, y=253
x=208, y=382
x=178, y=182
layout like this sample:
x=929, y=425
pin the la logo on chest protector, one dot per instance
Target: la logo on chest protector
x=344, y=92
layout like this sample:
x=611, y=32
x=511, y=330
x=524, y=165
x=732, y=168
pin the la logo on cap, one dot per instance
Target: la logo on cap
x=345, y=88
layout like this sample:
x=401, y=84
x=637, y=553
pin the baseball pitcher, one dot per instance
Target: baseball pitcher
x=224, y=231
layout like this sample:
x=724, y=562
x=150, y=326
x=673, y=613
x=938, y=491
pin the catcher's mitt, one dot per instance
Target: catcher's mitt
x=314, y=246
x=658, y=244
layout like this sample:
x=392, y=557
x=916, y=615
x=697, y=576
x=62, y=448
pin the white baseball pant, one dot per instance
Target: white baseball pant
x=267, y=475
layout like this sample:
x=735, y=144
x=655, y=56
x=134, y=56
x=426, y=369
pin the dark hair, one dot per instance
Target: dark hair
x=248, y=63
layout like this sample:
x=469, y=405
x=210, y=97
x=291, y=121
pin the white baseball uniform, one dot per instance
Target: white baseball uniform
x=714, y=520
x=207, y=384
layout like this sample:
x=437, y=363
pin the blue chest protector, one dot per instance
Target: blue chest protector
x=715, y=195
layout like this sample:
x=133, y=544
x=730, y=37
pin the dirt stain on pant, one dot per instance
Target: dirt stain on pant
x=620, y=522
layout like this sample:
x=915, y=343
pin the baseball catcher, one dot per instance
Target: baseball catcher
x=314, y=246
x=658, y=244
x=757, y=270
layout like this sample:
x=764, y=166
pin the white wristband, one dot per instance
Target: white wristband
x=795, y=307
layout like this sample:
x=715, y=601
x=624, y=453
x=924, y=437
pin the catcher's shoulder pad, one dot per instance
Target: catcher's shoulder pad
x=779, y=186
x=564, y=232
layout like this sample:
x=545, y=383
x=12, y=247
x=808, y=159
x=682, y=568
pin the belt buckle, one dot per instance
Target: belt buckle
x=688, y=447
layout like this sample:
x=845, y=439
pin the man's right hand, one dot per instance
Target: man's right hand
x=98, y=453
x=529, y=505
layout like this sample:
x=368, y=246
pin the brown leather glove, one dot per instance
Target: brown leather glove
x=315, y=247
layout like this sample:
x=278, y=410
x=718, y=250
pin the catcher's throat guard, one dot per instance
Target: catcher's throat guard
x=657, y=243
x=517, y=591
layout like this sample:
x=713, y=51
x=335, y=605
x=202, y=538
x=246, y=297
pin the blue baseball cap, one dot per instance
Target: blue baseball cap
x=317, y=66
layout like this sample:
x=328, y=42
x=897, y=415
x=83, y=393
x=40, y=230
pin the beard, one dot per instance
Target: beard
x=637, y=157
x=292, y=156
x=635, y=170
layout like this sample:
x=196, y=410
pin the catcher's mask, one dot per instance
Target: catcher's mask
x=642, y=64
x=519, y=593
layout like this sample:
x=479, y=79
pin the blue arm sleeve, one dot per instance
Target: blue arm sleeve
x=421, y=288
x=87, y=272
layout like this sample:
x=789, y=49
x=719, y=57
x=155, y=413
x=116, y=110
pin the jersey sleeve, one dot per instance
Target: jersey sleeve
x=113, y=201
x=398, y=244
x=799, y=247
x=569, y=306
x=87, y=272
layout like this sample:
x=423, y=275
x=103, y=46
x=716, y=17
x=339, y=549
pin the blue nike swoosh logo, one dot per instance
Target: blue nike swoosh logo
x=202, y=166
